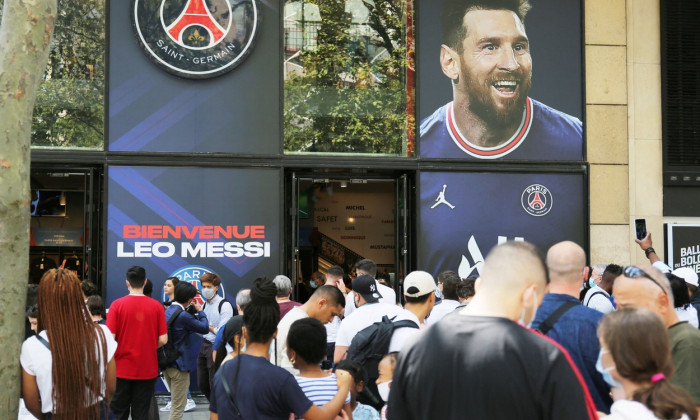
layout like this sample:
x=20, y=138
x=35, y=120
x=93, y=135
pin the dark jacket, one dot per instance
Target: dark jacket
x=184, y=325
x=695, y=301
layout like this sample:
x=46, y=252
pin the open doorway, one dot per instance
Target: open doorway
x=65, y=222
x=340, y=221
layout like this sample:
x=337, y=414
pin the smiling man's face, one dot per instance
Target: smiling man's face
x=495, y=71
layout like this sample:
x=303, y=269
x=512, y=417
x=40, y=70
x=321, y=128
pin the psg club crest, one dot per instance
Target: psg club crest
x=196, y=39
x=191, y=274
x=536, y=200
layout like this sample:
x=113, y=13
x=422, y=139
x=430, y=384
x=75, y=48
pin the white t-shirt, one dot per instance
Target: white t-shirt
x=689, y=314
x=445, y=307
x=36, y=359
x=388, y=296
x=332, y=329
x=282, y=331
x=368, y=314
x=632, y=410
x=600, y=302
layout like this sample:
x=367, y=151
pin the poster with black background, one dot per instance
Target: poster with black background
x=683, y=245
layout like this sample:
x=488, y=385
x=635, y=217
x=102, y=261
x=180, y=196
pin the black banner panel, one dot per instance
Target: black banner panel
x=183, y=222
x=500, y=84
x=463, y=215
x=683, y=246
x=194, y=76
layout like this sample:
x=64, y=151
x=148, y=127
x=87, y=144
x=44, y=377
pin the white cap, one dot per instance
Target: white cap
x=418, y=283
x=687, y=274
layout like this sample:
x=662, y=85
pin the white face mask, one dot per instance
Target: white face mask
x=521, y=321
x=208, y=293
x=384, y=389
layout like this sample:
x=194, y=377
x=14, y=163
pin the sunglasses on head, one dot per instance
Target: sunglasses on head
x=636, y=272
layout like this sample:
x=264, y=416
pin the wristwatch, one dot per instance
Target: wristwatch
x=649, y=251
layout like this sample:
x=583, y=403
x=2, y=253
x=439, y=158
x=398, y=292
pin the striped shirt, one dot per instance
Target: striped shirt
x=320, y=390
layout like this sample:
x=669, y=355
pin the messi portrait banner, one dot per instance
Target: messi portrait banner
x=183, y=222
x=500, y=83
x=463, y=215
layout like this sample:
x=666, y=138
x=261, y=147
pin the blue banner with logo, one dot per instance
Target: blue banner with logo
x=465, y=214
x=186, y=221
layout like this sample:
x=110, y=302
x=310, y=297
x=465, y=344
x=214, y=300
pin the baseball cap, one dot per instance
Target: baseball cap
x=366, y=286
x=418, y=283
x=687, y=274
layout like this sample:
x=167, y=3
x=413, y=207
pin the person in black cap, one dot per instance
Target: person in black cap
x=369, y=310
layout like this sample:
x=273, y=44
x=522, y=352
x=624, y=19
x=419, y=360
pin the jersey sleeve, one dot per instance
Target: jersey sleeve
x=111, y=321
x=566, y=391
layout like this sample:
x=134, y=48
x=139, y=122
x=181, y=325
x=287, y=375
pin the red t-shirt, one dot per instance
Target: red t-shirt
x=136, y=322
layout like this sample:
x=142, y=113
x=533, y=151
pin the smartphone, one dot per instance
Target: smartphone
x=640, y=228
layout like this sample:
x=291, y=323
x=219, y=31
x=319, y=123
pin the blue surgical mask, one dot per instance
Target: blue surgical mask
x=607, y=376
x=438, y=294
x=313, y=284
x=591, y=282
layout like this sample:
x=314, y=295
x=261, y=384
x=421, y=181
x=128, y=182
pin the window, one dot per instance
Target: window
x=69, y=109
x=346, y=79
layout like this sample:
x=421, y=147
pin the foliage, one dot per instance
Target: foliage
x=350, y=96
x=69, y=110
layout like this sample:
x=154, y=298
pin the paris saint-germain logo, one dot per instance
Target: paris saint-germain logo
x=536, y=200
x=196, y=39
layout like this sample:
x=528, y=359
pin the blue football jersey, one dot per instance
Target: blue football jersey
x=544, y=134
x=465, y=214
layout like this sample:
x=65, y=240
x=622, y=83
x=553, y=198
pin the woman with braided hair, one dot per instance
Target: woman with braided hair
x=635, y=355
x=250, y=387
x=68, y=368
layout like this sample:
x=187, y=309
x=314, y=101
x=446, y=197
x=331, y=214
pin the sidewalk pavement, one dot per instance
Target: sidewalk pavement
x=200, y=412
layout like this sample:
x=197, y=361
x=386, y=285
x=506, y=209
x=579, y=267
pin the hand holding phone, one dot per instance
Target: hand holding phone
x=640, y=228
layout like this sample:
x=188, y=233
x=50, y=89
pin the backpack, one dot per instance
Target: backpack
x=223, y=300
x=371, y=344
x=168, y=353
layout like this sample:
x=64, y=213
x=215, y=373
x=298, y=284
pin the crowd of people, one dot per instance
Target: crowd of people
x=530, y=338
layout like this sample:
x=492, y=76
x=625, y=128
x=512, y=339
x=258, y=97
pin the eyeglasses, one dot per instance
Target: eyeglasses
x=636, y=272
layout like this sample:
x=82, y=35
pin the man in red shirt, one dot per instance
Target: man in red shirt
x=138, y=324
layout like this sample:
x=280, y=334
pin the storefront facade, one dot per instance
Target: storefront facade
x=305, y=148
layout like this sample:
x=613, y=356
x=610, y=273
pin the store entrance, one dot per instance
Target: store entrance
x=65, y=228
x=340, y=220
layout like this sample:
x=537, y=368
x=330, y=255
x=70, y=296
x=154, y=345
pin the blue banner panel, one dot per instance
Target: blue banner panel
x=464, y=215
x=186, y=221
x=151, y=110
x=496, y=84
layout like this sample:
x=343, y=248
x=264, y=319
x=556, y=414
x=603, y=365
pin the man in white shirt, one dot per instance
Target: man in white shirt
x=368, y=267
x=369, y=310
x=334, y=277
x=325, y=304
x=450, y=282
x=598, y=297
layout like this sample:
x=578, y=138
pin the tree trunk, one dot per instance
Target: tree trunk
x=25, y=35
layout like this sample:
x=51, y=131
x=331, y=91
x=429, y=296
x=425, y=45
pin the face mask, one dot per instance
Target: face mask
x=313, y=284
x=607, y=376
x=384, y=389
x=438, y=294
x=208, y=293
x=591, y=282
x=521, y=321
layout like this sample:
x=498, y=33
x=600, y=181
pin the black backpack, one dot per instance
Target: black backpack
x=223, y=300
x=370, y=345
x=168, y=353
